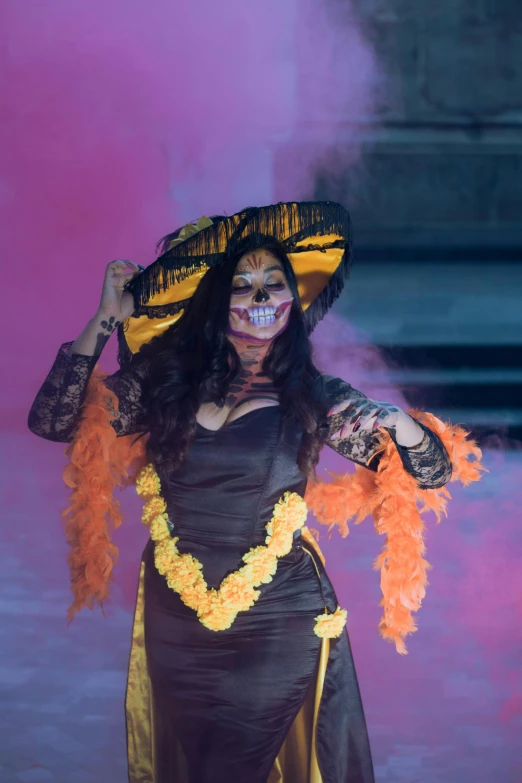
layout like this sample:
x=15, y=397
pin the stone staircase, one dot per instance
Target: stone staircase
x=478, y=386
x=451, y=337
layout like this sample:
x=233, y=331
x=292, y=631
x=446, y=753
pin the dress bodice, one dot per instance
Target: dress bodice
x=222, y=497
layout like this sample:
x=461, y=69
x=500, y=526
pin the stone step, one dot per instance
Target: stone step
x=447, y=376
x=493, y=356
x=489, y=418
x=477, y=386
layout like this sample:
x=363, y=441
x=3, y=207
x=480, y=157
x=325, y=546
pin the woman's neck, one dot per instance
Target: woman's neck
x=248, y=348
x=252, y=383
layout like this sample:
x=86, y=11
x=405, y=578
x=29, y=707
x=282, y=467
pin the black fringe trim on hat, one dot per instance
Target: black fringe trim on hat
x=322, y=303
x=214, y=244
x=161, y=311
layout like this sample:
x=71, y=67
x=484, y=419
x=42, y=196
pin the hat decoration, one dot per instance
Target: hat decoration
x=315, y=235
x=189, y=230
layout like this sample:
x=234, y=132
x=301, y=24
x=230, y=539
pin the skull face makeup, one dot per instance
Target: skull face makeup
x=260, y=299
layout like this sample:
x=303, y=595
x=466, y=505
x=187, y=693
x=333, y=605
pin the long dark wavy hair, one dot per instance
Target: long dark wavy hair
x=193, y=362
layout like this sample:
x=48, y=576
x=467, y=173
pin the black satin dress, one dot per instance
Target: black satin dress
x=231, y=696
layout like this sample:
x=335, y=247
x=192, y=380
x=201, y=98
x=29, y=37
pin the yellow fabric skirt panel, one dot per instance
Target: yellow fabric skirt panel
x=296, y=761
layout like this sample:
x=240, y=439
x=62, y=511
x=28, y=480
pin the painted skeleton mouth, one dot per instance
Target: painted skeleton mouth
x=263, y=316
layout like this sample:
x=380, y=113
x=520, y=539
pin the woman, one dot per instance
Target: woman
x=217, y=372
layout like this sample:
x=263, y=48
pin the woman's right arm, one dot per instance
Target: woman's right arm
x=57, y=405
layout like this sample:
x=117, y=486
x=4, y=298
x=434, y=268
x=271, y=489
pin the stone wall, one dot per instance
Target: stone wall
x=443, y=155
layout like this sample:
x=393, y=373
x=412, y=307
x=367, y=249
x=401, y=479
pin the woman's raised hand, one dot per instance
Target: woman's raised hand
x=115, y=301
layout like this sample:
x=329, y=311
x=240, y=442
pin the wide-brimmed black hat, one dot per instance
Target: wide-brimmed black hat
x=315, y=235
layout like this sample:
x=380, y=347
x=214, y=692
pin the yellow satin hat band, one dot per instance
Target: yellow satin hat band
x=313, y=270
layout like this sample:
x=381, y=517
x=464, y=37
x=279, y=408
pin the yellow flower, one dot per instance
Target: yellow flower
x=196, y=596
x=330, y=626
x=153, y=508
x=159, y=529
x=237, y=593
x=280, y=542
x=261, y=565
x=164, y=551
x=147, y=482
x=292, y=509
x=184, y=571
x=218, y=619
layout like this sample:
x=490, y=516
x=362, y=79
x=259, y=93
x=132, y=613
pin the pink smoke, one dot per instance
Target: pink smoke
x=122, y=120
x=473, y=605
x=342, y=350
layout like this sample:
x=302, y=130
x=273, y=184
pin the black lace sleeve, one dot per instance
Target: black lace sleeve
x=57, y=407
x=428, y=462
x=128, y=386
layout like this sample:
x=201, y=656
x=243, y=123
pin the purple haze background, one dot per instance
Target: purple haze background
x=120, y=121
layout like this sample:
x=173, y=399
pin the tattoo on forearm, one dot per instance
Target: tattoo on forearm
x=102, y=337
x=110, y=325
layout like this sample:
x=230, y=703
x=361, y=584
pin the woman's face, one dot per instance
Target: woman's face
x=261, y=299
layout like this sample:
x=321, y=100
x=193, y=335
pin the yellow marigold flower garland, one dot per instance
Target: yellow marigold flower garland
x=217, y=609
x=330, y=626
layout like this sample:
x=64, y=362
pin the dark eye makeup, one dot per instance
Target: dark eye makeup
x=244, y=285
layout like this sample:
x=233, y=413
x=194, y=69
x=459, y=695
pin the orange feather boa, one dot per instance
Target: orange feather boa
x=100, y=462
x=396, y=502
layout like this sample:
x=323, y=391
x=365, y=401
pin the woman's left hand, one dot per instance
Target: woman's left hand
x=368, y=415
